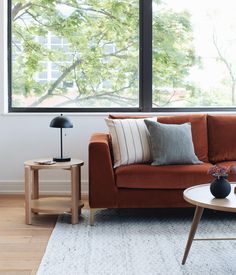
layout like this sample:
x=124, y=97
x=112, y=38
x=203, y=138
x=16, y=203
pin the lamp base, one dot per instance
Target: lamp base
x=61, y=159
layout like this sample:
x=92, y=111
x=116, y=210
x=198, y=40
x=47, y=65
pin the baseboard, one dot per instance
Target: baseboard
x=46, y=187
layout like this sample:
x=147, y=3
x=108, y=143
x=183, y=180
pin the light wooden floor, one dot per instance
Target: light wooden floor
x=22, y=246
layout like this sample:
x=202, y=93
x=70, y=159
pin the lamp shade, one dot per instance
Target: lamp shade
x=61, y=122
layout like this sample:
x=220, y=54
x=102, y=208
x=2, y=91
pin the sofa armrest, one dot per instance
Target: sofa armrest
x=102, y=187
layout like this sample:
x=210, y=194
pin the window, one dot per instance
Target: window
x=129, y=55
x=194, y=45
x=80, y=54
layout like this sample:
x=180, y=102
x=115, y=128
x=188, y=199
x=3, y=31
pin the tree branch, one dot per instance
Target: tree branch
x=105, y=94
x=100, y=11
x=19, y=7
x=223, y=59
x=228, y=66
x=40, y=23
x=56, y=83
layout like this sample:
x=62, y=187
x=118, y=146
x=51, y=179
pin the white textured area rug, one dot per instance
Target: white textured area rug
x=138, y=242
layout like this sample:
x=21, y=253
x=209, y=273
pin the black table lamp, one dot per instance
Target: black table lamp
x=61, y=122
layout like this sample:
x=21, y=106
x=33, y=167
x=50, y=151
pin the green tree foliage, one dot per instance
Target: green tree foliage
x=102, y=59
x=173, y=55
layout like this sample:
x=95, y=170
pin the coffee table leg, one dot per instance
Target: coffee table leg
x=195, y=222
x=27, y=195
x=74, y=194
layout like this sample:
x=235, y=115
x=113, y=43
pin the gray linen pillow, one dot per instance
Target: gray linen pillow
x=171, y=143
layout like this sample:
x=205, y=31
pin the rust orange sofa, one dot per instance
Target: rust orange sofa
x=147, y=186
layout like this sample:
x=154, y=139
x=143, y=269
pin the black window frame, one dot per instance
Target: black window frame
x=145, y=75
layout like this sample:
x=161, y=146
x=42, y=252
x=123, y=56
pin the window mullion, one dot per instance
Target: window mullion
x=145, y=83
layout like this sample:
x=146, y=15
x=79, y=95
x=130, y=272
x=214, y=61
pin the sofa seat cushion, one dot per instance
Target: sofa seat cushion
x=144, y=176
x=231, y=177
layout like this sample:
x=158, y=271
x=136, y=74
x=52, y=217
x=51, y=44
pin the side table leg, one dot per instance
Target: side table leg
x=79, y=183
x=74, y=194
x=195, y=222
x=27, y=195
x=35, y=185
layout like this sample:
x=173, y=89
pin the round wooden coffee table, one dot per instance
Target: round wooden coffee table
x=201, y=196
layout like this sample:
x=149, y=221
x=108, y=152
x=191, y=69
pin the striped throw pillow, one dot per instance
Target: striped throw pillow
x=130, y=141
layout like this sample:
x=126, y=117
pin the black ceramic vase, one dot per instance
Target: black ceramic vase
x=220, y=188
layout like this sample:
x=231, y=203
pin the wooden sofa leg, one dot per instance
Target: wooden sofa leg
x=92, y=213
x=91, y=217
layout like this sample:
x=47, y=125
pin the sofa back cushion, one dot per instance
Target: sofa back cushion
x=127, y=116
x=198, y=125
x=199, y=131
x=222, y=137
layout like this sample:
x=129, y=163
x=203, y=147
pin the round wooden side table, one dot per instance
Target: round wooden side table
x=201, y=197
x=52, y=205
